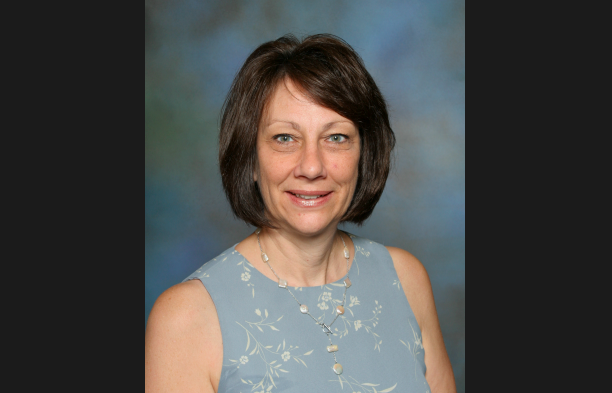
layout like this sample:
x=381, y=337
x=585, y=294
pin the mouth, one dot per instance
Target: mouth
x=310, y=199
x=309, y=196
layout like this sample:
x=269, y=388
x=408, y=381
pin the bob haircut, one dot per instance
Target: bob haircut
x=327, y=70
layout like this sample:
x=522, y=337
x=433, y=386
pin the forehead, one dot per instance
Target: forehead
x=289, y=104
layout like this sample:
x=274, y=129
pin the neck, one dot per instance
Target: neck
x=305, y=262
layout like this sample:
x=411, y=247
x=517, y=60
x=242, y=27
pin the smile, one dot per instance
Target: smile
x=310, y=199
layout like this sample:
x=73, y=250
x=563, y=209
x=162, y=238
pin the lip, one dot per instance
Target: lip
x=309, y=204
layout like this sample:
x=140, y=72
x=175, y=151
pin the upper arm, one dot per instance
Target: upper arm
x=417, y=286
x=183, y=347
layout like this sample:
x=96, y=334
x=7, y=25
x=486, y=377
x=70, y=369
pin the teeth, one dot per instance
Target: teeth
x=308, y=197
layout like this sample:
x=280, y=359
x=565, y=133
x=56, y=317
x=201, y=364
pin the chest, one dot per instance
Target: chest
x=269, y=345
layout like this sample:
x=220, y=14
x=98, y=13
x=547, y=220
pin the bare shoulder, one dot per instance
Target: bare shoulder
x=182, y=306
x=417, y=286
x=412, y=274
x=183, y=346
x=408, y=264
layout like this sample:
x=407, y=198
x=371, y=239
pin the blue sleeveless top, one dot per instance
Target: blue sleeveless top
x=269, y=346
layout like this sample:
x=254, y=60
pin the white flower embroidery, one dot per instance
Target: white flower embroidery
x=354, y=301
x=323, y=306
x=267, y=356
x=357, y=325
x=367, y=387
x=327, y=296
x=419, y=342
x=258, y=312
x=246, y=276
x=363, y=252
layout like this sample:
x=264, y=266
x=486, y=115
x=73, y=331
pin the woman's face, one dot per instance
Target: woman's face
x=308, y=162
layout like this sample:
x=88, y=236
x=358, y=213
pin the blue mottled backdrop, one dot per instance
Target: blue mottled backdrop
x=415, y=50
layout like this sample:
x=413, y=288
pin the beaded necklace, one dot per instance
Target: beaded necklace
x=304, y=308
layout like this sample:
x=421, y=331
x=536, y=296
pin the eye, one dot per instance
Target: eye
x=338, y=138
x=284, y=138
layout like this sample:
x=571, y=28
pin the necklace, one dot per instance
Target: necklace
x=304, y=308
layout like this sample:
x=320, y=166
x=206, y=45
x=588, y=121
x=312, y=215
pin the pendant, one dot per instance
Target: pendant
x=340, y=310
x=338, y=369
x=304, y=309
x=332, y=348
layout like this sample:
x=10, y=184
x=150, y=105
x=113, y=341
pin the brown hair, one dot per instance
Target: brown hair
x=333, y=75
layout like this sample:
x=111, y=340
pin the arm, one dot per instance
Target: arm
x=183, y=344
x=417, y=286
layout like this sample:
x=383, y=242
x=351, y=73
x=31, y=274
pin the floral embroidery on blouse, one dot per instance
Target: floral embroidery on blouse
x=275, y=362
x=358, y=387
x=416, y=348
x=246, y=274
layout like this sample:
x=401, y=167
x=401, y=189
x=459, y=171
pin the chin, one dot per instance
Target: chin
x=310, y=226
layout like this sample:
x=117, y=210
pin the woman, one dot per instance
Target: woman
x=299, y=306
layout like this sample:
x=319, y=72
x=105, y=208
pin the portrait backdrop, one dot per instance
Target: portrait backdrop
x=415, y=50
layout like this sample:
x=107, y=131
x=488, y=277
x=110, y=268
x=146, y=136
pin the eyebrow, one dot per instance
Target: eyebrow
x=297, y=127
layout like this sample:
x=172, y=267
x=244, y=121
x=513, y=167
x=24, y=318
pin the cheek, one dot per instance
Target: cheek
x=346, y=171
x=273, y=171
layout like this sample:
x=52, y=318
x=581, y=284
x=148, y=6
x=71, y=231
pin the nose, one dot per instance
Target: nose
x=311, y=165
